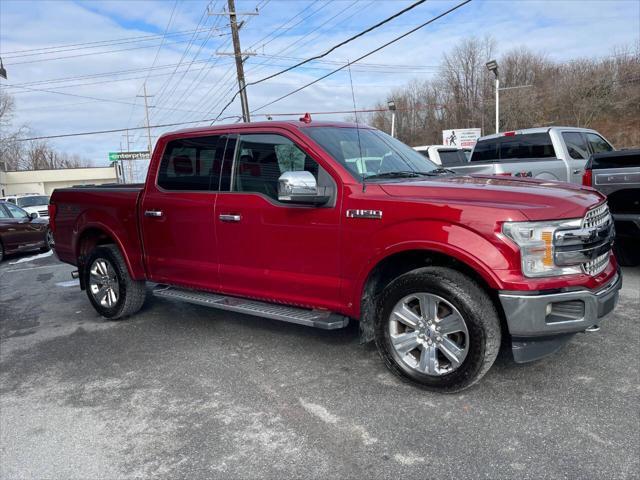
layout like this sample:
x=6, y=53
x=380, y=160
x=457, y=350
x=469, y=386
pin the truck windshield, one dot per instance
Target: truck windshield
x=367, y=153
x=33, y=200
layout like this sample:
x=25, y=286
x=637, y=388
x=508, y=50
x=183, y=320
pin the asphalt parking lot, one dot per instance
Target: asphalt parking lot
x=185, y=391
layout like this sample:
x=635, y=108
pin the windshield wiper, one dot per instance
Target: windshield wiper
x=400, y=174
x=441, y=171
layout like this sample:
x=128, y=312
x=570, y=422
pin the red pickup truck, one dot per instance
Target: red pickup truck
x=317, y=223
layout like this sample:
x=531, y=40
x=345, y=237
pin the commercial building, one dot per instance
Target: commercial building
x=44, y=182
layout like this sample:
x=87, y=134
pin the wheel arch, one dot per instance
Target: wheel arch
x=91, y=237
x=386, y=269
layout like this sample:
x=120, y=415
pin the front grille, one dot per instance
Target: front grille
x=588, y=246
x=43, y=213
x=597, y=265
x=597, y=216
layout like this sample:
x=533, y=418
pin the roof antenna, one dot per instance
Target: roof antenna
x=355, y=114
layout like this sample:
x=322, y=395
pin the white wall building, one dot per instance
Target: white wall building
x=44, y=182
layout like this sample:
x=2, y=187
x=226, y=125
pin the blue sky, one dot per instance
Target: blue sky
x=284, y=31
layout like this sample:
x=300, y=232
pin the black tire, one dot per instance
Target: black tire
x=474, y=305
x=48, y=244
x=131, y=293
x=627, y=251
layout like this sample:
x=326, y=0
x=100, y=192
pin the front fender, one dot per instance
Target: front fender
x=484, y=256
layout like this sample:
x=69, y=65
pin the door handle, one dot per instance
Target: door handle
x=576, y=171
x=153, y=213
x=226, y=217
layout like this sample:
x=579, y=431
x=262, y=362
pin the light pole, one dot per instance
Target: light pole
x=392, y=108
x=3, y=72
x=492, y=66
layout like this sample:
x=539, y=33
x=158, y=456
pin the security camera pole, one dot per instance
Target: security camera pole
x=492, y=66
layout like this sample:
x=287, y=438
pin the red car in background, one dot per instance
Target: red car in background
x=21, y=231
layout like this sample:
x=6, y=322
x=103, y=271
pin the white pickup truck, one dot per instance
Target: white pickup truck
x=548, y=153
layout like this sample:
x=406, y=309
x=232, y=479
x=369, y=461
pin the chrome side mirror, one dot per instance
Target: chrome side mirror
x=301, y=187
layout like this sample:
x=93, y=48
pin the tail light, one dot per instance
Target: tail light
x=509, y=134
x=53, y=209
x=587, y=178
x=503, y=174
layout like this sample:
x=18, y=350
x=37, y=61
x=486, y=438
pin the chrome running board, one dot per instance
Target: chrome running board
x=311, y=318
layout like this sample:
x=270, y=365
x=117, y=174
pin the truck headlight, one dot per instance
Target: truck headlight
x=535, y=240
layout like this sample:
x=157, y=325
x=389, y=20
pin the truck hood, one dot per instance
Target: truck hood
x=535, y=199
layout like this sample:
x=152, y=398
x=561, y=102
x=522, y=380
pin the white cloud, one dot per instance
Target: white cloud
x=561, y=29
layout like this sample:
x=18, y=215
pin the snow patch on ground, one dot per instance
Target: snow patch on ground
x=408, y=459
x=320, y=412
x=328, y=417
x=33, y=257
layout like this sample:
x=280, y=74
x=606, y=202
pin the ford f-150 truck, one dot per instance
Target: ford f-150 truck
x=275, y=219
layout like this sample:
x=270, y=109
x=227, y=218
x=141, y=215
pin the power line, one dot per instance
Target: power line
x=116, y=41
x=94, y=53
x=344, y=42
x=199, y=78
x=164, y=37
x=116, y=130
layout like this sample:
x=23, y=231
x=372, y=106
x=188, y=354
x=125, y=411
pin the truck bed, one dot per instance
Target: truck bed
x=112, y=208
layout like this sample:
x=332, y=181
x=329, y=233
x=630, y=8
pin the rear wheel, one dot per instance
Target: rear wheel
x=437, y=328
x=110, y=288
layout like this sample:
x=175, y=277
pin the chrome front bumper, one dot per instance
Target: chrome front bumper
x=555, y=313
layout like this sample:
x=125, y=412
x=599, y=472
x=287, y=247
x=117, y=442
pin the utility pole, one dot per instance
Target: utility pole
x=146, y=109
x=237, y=53
x=126, y=135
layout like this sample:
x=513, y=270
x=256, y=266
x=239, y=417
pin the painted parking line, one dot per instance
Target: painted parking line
x=69, y=283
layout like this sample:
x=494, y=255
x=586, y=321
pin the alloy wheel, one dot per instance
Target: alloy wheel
x=103, y=283
x=428, y=334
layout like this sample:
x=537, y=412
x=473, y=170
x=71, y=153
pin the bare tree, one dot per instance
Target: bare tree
x=16, y=154
x=602, y=94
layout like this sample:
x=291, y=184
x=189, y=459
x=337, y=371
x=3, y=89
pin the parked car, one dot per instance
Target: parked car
x=269, y=219
x=444, y=155
x=617, y=175
x=31, y=203
x=21, y=231
x=550, y=153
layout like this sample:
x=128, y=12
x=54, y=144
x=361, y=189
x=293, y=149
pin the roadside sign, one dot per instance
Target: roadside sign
x=117, y=156
x=461, y=137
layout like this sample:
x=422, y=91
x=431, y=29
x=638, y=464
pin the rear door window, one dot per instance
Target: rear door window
x=514, y=147
x=191, y=164
x=576, y=145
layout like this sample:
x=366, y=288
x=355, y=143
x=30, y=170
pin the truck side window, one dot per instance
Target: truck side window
x=262, y=158
x=191, y=164
x=598, y=144
x=576, y=145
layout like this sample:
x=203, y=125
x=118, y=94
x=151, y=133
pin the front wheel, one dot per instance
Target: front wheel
x=110, y=288
x=437, y=328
